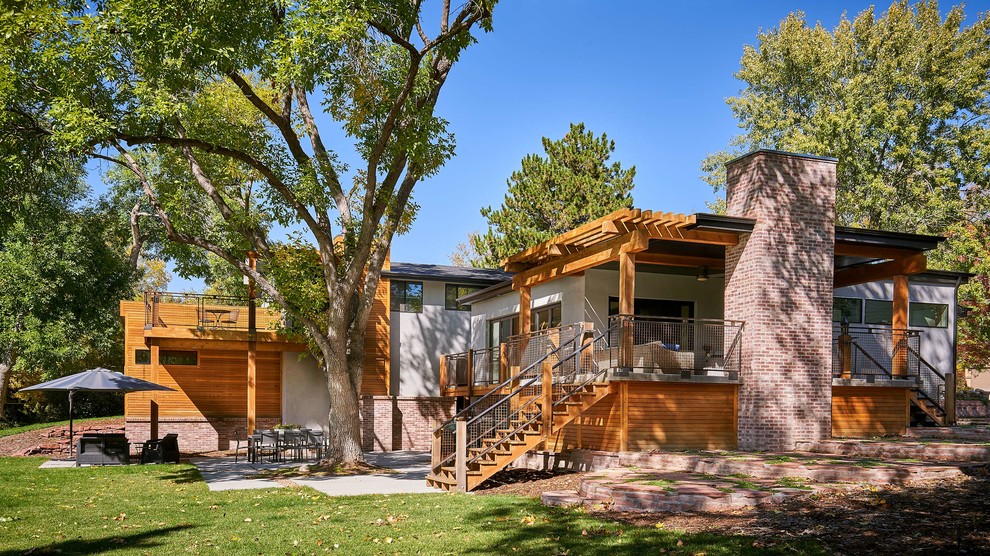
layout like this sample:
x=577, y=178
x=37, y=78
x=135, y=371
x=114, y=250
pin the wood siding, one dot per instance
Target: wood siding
x=376, y=345
x=656, y=416
x=862, y=411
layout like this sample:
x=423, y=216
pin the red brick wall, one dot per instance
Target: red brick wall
x=197, y=434
x=779, y=281
x=401, y=423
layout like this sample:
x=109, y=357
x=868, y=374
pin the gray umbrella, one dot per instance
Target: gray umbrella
x=97, y=380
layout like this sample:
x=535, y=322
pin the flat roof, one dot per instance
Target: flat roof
x=445, y=273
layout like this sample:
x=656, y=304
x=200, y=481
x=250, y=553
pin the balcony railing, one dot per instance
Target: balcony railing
x=875, y=353
x=683, y=347
x=205, y=312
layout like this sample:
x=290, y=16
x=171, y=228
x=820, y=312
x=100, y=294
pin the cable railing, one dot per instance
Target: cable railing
x=204, y=312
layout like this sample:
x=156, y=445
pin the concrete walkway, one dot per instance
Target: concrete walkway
x=410, y=477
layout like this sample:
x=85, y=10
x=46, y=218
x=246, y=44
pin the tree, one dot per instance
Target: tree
x=214, y=108
x=903, y=102
x=573, y=184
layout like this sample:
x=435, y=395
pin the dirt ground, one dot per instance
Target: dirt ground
x=949, y=516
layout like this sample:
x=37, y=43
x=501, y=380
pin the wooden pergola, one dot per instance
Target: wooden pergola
x=633, y=236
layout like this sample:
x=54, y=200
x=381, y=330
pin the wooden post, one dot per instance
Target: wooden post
x=623, y=416
x=627, y=298
x=503, y=362
x=470, y=373
x=525, y=313
x=252, y=314
x=252, y=388
x=443, y=375
x=153, y=410
x=460, y=454
x=547, y=369
x=899, y=324
x=950, y=399
x=437, y=444
x=845, y=351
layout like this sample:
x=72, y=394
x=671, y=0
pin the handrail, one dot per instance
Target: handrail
x=871, y=358
x=927, y=364
x=503, y=384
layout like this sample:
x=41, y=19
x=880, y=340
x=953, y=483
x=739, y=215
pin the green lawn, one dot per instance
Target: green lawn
x=168, y=510
x=25, y=428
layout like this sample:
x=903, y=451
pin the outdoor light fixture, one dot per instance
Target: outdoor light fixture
x=703, y=275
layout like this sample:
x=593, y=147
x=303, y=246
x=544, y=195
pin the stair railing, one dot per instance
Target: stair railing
x=536, y=349
x=931, y=382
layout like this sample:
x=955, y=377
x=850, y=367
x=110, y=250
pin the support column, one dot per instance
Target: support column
x=153, y=377
x=252, y=355
x=779, y=281
x=899, y=326
x=525, y=310
x=627, y=299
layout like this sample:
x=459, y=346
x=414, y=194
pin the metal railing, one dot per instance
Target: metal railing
x=204, y=312
x=674, y=346
x=869, y=353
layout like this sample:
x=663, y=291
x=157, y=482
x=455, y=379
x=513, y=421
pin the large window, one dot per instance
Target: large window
x=142, y=357
x=499, y=330
x=848, y=309
x=452, y=292
x=407, y=297
x=175, y=357
x=879, y=312
x=655, y=308
x=545, y=317
x=928, y=315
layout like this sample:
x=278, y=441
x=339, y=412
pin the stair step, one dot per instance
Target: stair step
x=442, y=480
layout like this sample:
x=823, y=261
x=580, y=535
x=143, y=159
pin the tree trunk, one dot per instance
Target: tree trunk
x=345, y=415
x=5, y=366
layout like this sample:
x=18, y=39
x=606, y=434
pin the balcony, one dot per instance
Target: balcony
x=633, y=348
x=203, y=316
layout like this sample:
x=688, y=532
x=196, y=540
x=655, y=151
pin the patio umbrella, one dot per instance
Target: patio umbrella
x=95, y=380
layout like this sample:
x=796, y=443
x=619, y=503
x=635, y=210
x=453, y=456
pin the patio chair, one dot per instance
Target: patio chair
x=162, y=450
x=265, y=443
x=230, y=319
x=292, y=442
x=313, y=441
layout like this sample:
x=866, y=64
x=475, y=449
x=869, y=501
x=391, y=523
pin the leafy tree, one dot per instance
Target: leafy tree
x=903, y=102
x=573, y=184
x=214, y=108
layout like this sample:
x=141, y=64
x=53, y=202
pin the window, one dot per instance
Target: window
x=499, y=330
x=545, y=317
x=452, y=292
x=879, y=312
x=173, y=357
x=655, y=308
x=142, y=357
x=407, y=297
x=847, y=309
x=928, y=315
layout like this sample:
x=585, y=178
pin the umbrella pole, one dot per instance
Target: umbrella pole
x=71, y=394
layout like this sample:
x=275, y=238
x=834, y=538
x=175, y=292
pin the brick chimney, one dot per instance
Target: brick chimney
x=779, y=281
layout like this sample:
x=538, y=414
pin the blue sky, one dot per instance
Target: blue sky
x=653, y=75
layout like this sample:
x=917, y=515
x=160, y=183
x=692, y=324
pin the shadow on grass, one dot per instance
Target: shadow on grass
x=179, y=475
x=574, y=531
x=145, y=540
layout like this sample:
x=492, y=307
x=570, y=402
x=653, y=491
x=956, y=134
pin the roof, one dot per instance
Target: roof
x=880, y=238
x=459, y=274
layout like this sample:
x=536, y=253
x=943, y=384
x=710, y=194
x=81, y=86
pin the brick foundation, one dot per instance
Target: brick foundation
x=401, y=423
x=197, y=434
x=779, y=280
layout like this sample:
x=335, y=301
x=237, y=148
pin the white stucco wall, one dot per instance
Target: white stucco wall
x=418, y=340
x=936, y=343
x=568, y=291
x=708, y=296
x=305, y=400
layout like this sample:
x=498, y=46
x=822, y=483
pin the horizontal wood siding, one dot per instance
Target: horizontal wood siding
x=376, y=345
x=862, y=411
x=660, y=416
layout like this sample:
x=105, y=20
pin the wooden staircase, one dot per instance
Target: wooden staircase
x=930, y=409
x=526, y=431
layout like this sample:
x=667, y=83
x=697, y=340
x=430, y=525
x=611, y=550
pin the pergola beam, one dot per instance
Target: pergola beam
x=604, y=252
x=907, y=266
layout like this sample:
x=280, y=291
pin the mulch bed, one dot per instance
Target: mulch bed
x=947, y=516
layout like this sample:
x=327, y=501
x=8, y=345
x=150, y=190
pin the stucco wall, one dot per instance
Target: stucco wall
x=568, y=291
x=419, y=339
x=936, y=343
x=305, y=400
x=602, y=284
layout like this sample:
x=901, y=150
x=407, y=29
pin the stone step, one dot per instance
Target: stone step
x=937, y=451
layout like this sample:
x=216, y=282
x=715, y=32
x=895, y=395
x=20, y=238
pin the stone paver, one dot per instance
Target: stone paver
x=410, y=476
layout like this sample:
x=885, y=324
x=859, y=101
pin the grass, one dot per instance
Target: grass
x=27, y=428
x=662, y=483
x=167, y=509
x=793, y=482
x=776, y=460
